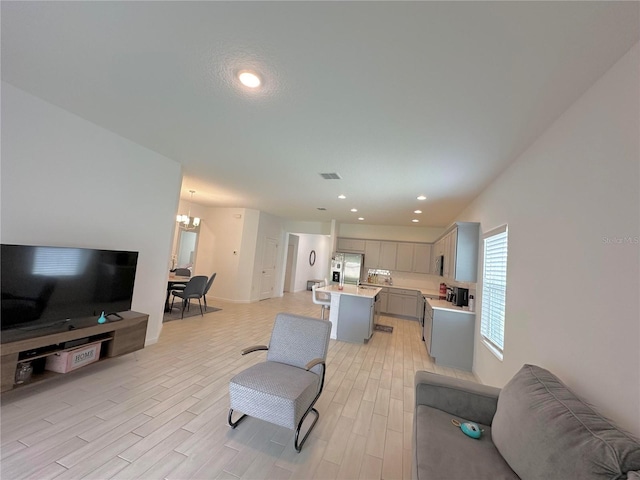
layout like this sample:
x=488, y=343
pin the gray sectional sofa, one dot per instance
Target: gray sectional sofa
x=534, y=428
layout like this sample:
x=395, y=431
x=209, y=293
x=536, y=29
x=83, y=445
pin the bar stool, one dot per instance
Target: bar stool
x=320, y=298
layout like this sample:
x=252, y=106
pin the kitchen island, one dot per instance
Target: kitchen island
x=353, y=312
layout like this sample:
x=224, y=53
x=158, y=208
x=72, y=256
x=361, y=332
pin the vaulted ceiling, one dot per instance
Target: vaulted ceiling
x=398, y=98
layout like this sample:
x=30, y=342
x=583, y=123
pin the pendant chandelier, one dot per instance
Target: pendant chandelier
x=185, y=220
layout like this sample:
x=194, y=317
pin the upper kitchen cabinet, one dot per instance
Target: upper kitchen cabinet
x=371, y=253
x=459, y=249
x=388, y=253
x=350, y=245
x=404, y=257
x=421, y=258
x=413, y=257
x=379, y=254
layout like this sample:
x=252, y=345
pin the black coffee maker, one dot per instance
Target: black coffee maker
x=460, y=297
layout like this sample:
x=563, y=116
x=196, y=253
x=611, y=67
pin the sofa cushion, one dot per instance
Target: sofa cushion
x=442, y=451
x=544, y=431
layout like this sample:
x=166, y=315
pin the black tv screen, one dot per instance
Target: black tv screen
x=43, y=285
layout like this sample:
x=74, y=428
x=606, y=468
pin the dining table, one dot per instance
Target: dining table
x=171, y=281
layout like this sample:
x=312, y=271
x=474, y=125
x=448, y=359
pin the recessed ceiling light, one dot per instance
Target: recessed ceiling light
x=354, y=210
x=421, y=197
x=341, y=197
x=249, y=79
x=415, y=220
x=361, y=218
x=417, y=211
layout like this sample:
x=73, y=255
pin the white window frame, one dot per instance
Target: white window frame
x=494, y=290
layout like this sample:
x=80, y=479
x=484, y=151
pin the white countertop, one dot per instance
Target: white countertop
x=358, y=291
x=430, y=293
x=444, y=305
x=423, y=291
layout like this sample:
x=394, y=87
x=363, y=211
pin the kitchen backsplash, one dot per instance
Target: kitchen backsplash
x=414, y=280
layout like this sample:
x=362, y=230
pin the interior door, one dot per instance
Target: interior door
x=267, y=281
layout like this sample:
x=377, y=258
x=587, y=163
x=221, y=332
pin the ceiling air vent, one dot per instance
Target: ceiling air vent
x=331, y=176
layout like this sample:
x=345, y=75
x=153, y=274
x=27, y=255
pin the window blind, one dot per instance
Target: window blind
x=51, y=261
x=494, y=287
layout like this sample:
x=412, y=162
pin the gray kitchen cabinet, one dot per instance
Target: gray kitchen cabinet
x=380, y=254
x=459, y=246
x=421, y=258
x=388, y=253
x=371, y=253
x=384, y=300
x=448, y=336
x=427, y=326
x=350, y=245
x=404, y=257
x=404, y=302
x=395, y=304
x=449, y=246
x=436, y=253
x=356, y=317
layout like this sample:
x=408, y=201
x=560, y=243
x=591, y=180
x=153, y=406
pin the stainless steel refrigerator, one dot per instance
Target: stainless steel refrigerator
x=349, y=265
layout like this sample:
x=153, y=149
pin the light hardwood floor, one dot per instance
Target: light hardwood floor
x=162, y=412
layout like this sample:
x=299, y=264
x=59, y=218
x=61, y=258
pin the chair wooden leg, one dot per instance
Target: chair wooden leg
x=184, y=305
x=234, y=424
x=205, y=302
x=200, y=303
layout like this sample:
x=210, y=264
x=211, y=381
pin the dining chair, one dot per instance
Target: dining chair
x=207, y=288
x=194, y=289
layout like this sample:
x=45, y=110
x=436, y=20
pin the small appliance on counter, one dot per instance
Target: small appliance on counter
x=460, y=296
x=472, y=304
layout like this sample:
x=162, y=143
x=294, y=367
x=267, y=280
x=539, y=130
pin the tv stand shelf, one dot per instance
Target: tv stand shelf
x=117, y=337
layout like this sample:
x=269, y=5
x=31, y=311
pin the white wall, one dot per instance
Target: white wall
x=312, y=228
x=573, y=282
x=292, y=245
x=320, y=269
x=269, y=226
x=224, y=250
x=68, y=182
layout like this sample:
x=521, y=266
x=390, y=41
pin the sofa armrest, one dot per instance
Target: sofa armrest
x=469, y=400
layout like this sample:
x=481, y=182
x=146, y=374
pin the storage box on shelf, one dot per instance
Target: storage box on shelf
x=67, y=361
x=115, y=338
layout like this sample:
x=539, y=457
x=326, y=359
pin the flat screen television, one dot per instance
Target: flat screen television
x=43, y=286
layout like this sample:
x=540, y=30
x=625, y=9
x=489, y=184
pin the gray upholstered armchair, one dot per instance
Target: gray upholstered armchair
x=283, y=389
